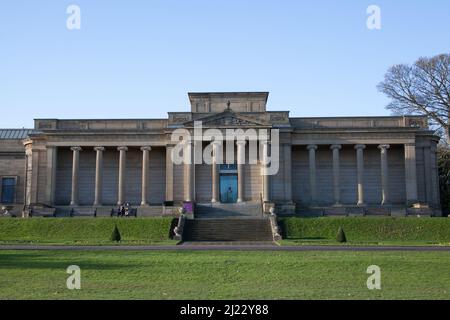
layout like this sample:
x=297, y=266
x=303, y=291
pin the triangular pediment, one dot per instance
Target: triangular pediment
x=228, y=118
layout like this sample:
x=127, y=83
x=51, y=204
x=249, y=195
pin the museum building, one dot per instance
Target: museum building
x=327, y=166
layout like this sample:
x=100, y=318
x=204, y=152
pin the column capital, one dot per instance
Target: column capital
x=336, y=146
x=360, y=146
x=76, y=148
x=99, y=148
x=384, y=147
x=122, y=148
x=146, y=148
x=312, y=147
x=241, y=143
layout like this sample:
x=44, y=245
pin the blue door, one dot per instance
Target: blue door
x=228, y=188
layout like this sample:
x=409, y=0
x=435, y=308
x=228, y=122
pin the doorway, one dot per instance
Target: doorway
x=228, y=188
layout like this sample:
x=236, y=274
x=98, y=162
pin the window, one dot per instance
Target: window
x=8, y=190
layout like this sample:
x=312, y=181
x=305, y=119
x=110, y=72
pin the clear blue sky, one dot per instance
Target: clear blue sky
x=138, y=59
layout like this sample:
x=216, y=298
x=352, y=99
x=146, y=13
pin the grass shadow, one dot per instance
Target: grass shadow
x=37, y=260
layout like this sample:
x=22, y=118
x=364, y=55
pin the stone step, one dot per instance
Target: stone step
x=150, y=211
x=229, y=243
x=227, y=230
x=252, y=209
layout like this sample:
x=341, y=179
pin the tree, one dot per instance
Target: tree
x=115, y=236
x=341, y=236
x=422, y=89
x=444, y=177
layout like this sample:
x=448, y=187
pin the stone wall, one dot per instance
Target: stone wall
x=203, y=182
x=12, y=163
x=348, y=181
x=252, y=180
x=133, y=176
x=427, y=190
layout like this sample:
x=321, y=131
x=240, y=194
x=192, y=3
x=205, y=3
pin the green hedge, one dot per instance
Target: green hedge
x=84, y=229
x=368, y=228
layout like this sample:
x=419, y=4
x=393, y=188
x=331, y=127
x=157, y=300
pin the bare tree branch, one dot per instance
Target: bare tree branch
x=422, y=88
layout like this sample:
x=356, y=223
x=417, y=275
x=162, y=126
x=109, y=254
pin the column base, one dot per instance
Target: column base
x=267, y=206
x=418, y=205
x=361, y=204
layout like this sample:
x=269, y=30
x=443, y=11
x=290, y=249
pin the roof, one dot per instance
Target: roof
x=14, y=134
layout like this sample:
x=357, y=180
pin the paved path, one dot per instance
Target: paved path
x=200, y=247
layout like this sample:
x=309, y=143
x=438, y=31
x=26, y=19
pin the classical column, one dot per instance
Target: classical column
x=336, y=174
x=384, y=174
x=52, y=153
x=265, y=173
x=240, y=169
x=216, y=159
x=75, y=169
x=410, y=174
x=189, y=171
x=312, y=172
x=288, y=172
x=98, y=175
x=360, y=172
x=169, y=173
x=145, y=164
x=31, y=181
x=122, y=167
x=428, y=175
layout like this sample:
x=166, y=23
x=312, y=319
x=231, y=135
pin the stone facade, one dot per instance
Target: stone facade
x=327, y=165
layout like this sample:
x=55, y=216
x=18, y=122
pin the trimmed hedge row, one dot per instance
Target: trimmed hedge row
x=368, y=228
x=84, y=229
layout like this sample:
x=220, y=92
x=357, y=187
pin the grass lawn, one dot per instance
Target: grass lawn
x=296, y=231
x=223, y=275
x=366, y=231
x=85, y=231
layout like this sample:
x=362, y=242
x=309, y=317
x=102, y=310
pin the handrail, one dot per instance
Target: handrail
x=262, y=204
x=276, y=232
x=178, y=230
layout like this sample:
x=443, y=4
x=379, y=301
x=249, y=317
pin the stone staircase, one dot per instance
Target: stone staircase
x=228, y=230
x=227, y=210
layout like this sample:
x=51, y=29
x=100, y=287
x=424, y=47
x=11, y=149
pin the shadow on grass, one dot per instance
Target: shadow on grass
x=307, y=238
x=37, y=260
